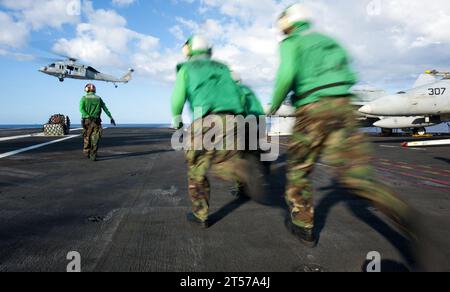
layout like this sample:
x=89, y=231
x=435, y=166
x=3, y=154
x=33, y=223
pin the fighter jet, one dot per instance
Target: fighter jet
x=71, y=69
x=426, y=104
x=365, y=96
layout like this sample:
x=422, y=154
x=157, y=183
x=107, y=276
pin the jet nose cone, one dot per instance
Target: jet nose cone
x=367, y=109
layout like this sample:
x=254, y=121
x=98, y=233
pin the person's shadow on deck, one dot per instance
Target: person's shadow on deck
x=364, y=211
x=227, y=210
x=129, y=155
x=360, y=208
x=447, y=160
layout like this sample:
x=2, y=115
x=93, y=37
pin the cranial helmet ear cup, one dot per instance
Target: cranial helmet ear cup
x=284, y=23
x=186, y=50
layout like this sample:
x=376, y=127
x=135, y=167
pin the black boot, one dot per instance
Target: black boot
x=239, y=192
x=191, y=218
x=306, y=236
x=93, y=157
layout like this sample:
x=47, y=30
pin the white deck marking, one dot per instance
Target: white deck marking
x=16, y=137
x=30, y=135
x=389, y=146
x=15, y=152
x=397, y=147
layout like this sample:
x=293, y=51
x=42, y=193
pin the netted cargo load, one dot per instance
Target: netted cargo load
x=58, y=125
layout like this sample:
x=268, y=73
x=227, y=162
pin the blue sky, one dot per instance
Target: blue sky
x=390, y=41
x=30, y=97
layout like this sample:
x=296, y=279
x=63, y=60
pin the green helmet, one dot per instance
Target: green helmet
x=197, y=45
x=294, y=16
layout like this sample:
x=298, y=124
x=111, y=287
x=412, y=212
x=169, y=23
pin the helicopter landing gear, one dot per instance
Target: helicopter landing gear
x=61, y=78
x=116, y=86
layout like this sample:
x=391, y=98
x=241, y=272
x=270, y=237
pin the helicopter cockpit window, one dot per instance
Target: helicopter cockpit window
x=52, y=66
x=401, y=92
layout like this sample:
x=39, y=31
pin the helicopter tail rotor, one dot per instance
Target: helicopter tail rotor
x=129, y=76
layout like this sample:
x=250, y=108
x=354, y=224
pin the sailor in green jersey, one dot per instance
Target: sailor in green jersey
x=204, y=83
x=316, y=68
x=252, y=107
x=252, y=104
x=207, y=86
x=91, y=107
x=250, y=101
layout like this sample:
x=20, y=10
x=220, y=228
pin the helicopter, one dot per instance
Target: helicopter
x=70, y=68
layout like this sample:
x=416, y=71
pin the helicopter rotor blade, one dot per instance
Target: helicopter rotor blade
x=65, y=57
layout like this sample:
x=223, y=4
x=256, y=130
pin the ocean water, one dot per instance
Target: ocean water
x=74, y=126
x=442, y=128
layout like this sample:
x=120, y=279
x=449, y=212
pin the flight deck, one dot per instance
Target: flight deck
x=126, y=212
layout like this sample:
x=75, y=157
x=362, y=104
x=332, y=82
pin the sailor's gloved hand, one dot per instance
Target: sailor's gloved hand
x=178, y=126
x=177, y=123
x=113, y=122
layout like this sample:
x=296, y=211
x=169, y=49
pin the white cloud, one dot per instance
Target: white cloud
x=12, y=34
x=17, y=56
x=394, y=45
x=105, y=41
x=21, y=18
x=244, y=36
x=44, y=13
x=390, y=46
x=159, y=66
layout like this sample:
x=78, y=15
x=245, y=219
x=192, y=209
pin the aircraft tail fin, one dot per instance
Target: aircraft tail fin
x=128, y=77
x=424, y=79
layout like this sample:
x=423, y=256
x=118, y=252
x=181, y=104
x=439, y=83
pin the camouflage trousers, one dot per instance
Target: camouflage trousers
x=92, y=133
x=329, y=129
x=225, y=164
